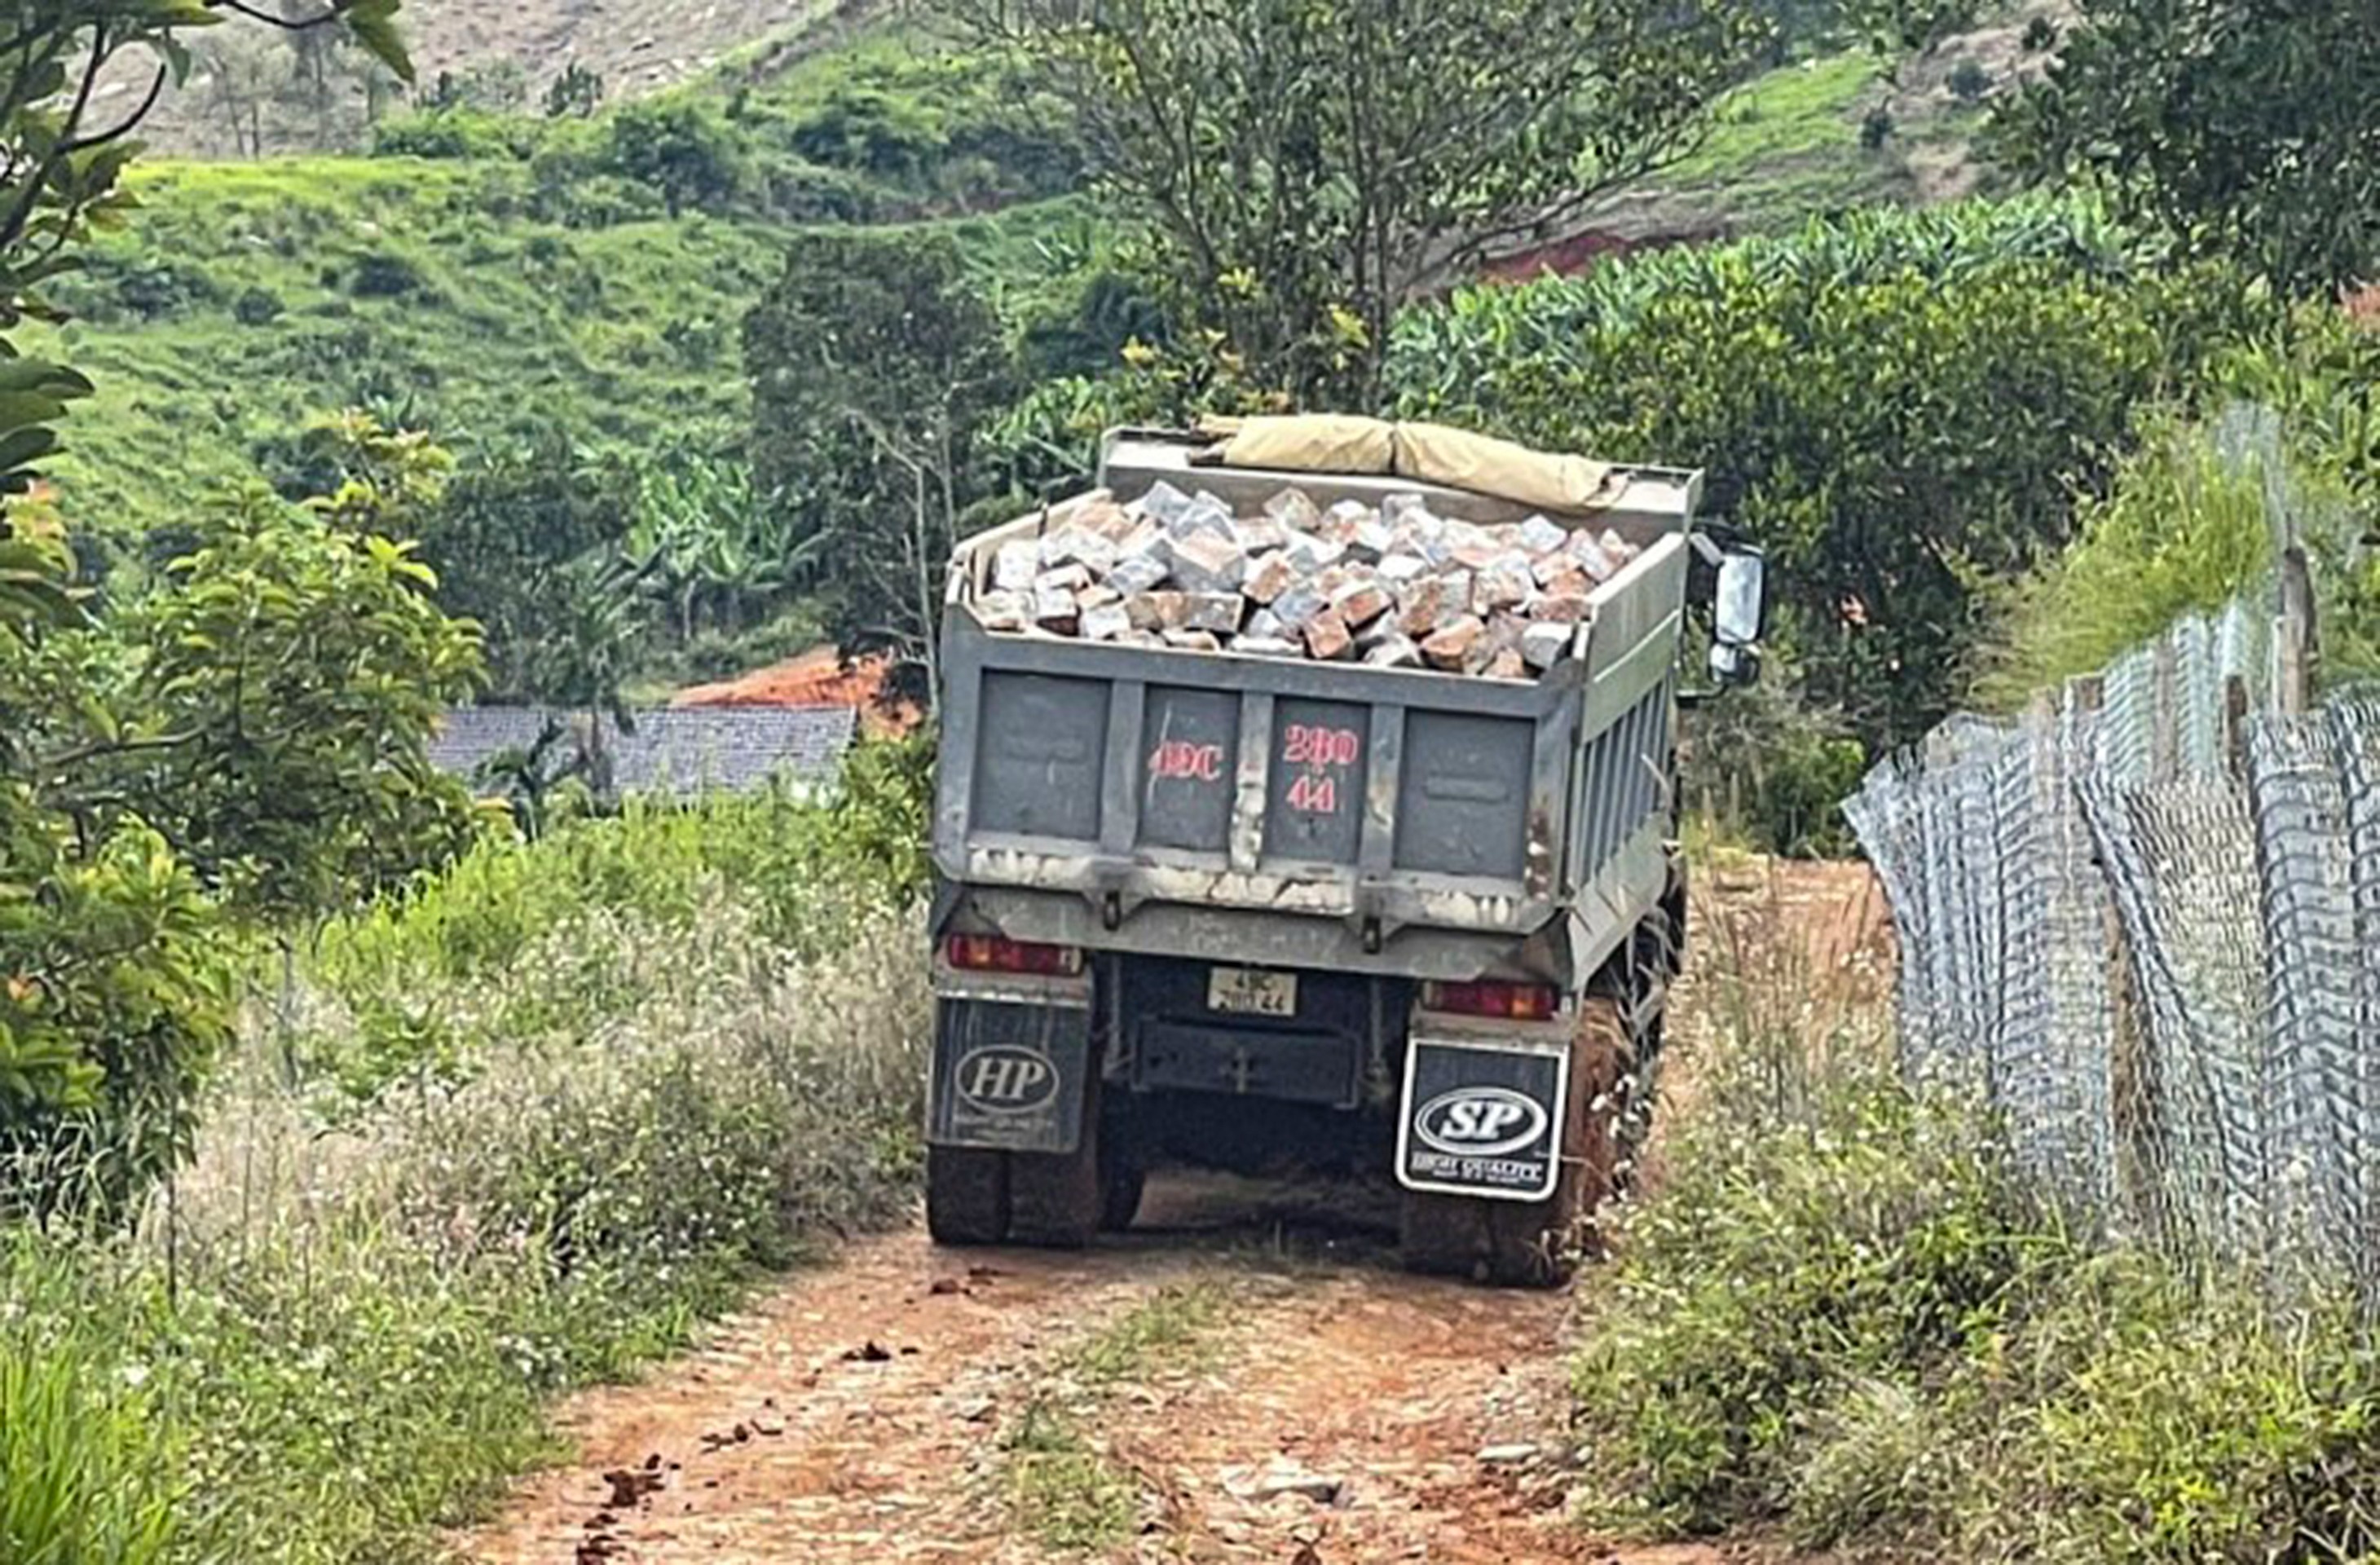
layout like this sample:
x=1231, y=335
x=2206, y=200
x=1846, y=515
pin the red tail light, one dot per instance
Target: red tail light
x=994, y=953
x=1518, y=1002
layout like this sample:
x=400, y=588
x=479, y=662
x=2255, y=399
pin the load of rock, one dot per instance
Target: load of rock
x=1395, y=586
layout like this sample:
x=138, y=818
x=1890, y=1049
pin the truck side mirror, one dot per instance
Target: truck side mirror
x=1739, y=613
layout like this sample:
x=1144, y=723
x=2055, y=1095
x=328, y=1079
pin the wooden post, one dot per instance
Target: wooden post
x=2293, y=636
x=2164, y=710
x=2235, y=726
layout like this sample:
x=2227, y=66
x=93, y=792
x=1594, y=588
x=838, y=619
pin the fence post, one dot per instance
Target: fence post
x=2133, y=1119
x=2165, y=709
x=2293, y=636
x=2235, y=726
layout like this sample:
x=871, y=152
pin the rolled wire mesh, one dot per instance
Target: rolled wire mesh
x=2159, y=958
x=2180, y=866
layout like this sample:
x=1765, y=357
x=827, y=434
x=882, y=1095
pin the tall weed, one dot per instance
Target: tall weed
x=338, y=1329
x=1838, y=1317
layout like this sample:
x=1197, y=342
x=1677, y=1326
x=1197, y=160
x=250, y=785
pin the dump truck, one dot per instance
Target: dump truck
x=1306, y=916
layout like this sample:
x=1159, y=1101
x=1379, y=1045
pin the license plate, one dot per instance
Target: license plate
x=1245, y=991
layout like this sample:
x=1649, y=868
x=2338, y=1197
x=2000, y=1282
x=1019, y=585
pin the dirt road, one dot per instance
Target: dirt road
x=1246, y=1377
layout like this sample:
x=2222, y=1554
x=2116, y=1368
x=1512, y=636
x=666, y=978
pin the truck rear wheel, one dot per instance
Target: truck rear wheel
x=1535, y=1244
x=966, y=1196
x=1056, y=1199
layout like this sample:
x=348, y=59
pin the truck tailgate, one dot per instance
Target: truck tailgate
x=1383, y=798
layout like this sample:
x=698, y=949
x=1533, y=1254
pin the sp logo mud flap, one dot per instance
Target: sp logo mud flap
x=1482, y=1121
x=1009, y=1075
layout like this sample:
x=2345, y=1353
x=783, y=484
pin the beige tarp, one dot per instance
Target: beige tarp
x=1316, y=442
x=1486, y=466
x=1331, y=442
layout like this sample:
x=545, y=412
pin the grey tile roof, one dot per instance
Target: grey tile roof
x=679, y=749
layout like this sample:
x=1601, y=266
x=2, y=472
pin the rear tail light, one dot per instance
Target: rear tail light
x=994, y=954
x=1517, y=1002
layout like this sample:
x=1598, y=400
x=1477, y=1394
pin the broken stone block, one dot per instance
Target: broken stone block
x=1205, y=515
x=1559, y=608
x=1098, y=595
x=1372, y=540
x=1105, y=518
x=1267, y=646
x=1189, y=641
x=1255, y=535
x=1163, y=503
x=1107, y=622
x=1293, y=509
x=1560, y=572
x=1361, y=602
x=1431, y=602
x=1264, y=623
x=1405, y=509
x=1054, y=609
x=1382, y=628
x=1065, y=578
x=1506, y=664
x=1269, y=578
x=1155, y=611
x=1016, y=563
x=1299, y=604
x=1079, y=546
x=1450, y=645
x=1141, y=571
x=1207, y=562
x=1311, y=553
x=1004, y=611
x=1504, y=630
x=1544, y=643
x=1216, y=611
x=1328, y=638
x=1506, y=583
x=1540, y=536
x=1397, y=651
x=1591, y=558
x=1398, y=571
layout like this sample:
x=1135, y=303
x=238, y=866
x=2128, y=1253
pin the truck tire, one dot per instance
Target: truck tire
x=966, y=1196
x=1535, y=1244
x=1056, y=1199
x=1123, y=1173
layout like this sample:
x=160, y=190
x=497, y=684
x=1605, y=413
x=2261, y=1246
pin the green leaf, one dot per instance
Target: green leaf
x=373, y=23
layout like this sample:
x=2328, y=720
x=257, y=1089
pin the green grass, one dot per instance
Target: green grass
x=341, y=1331
x=1841, y=1319
x=248, y=297
x=1059, y=1482
x=1786, y=148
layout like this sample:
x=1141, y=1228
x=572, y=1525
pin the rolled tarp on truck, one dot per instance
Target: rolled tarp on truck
x=1268, y=764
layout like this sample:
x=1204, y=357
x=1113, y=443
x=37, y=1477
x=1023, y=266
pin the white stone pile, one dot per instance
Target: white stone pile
x=1396, y=586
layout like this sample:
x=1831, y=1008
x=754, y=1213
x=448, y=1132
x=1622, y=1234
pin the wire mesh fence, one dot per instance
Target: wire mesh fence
x=2142, y=919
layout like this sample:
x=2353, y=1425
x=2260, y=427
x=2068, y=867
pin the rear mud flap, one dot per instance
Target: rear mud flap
x=1483, y=1119
x=1009, y=1075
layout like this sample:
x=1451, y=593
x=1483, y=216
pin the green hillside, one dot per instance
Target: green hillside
x=490, y=274
x=585, y=276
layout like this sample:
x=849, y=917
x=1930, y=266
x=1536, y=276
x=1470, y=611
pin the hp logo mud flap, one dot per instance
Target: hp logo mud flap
x=1009, y=1075
x=1482, y=1120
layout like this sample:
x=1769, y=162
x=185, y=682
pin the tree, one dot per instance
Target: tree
x=2244, y=127
x=259, y=721
x=875, y=370
x=1306, y=166
x=1900, y=407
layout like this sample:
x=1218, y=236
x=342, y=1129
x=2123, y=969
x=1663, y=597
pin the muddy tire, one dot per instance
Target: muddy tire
x=1120, y=1191
x=1535, y=1244
x=1055, y=1200
x=966, y=1196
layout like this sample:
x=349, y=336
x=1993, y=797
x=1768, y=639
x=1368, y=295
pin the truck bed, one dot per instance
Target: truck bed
x=1323, y=814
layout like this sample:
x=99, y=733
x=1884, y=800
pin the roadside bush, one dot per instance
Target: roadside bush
x=1837, y=1319
x=353, y=1311
x=679, y=147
